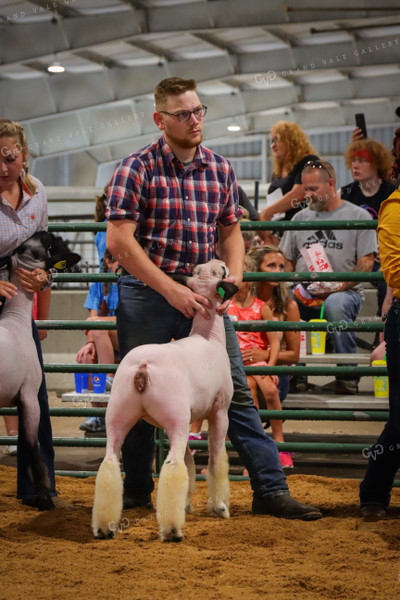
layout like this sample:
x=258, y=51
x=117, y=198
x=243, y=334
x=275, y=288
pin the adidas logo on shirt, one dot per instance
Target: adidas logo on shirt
x=327, y=239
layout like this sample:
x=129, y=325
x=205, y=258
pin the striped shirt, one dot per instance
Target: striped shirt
x=16, y=226
x=176, y=208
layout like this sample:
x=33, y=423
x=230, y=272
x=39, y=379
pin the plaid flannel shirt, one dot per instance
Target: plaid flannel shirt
x=176, y=209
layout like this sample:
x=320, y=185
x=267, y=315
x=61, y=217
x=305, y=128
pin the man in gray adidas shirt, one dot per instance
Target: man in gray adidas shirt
x=347, y=250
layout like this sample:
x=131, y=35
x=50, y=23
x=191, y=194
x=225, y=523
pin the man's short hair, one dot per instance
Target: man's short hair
x=323, y=166
x=172, y=86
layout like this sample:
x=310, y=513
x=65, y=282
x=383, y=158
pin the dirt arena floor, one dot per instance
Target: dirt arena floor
x=52, y=555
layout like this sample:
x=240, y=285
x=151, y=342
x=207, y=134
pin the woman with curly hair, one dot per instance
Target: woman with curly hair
x=291, y=151
x=370, y=163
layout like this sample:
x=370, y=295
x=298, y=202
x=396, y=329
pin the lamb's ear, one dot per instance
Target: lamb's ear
x=226, y=289
x=62, y=262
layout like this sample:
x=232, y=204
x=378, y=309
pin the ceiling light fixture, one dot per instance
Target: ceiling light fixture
x=234, y=127
x=55, y=66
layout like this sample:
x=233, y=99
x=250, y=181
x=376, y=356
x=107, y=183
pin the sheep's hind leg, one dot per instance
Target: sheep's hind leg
x=172, y=494
x=107, y=507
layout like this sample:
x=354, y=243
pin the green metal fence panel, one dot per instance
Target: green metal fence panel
x=330, y=326
x=297, y=277
x=162, y=440
x=307, y=225
x=249, y=225
x=287, y=414
x=277, y=370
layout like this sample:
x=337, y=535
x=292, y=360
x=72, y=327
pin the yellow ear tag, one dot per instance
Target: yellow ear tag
x=62, y=264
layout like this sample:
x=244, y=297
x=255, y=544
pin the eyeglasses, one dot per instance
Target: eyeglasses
x=317, y=164
x=275, y=140
x=184, y=115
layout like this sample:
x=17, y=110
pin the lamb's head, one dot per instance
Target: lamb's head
x=35, y=254
x=209, y=280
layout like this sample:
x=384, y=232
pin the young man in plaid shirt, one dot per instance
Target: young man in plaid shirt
x=165, y=204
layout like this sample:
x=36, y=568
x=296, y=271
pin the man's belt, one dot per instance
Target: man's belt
x=179, y=277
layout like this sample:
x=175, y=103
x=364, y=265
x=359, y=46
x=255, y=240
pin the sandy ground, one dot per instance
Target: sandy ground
x=53, y=556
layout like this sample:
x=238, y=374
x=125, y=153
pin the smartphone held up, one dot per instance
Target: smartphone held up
x=360, y=123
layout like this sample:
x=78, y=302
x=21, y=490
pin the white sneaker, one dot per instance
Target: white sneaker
x=10, y=450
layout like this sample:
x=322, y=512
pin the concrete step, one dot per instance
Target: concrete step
x=315, y=401
x=334, y=359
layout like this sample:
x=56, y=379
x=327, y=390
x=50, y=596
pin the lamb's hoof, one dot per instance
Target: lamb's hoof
x=100, y=535
x=221, y=511
x=172, y=536
x=189, y=509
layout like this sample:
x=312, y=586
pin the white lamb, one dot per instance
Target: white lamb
x=170, y=386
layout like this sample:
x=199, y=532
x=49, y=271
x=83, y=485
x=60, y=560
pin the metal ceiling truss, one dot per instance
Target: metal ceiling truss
x=255, y=62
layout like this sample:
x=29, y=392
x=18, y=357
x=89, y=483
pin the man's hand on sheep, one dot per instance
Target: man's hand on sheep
x=188, y=302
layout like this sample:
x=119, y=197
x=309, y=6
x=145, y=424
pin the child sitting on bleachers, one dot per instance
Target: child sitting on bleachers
x=102, y=344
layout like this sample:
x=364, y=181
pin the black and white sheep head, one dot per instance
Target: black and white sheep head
x=210, y=278
x=35, y=254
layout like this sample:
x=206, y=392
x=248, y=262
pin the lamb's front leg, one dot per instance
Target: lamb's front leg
x=218, y=466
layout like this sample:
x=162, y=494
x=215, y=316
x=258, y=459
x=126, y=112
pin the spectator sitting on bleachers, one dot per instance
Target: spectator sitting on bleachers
x=250, y=237
x=291, y=149
x=270, y=259
x=370, y=163
x=102, y=344
x=346, y=249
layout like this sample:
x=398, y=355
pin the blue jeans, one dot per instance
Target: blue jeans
x=341, y=307
x=143, y=317
x=283, y=387
x=384, y=456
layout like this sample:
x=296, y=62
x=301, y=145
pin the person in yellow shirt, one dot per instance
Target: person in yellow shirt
x=384, y=456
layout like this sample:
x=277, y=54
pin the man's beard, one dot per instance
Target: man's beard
x=316, y=204
x=183, y=142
